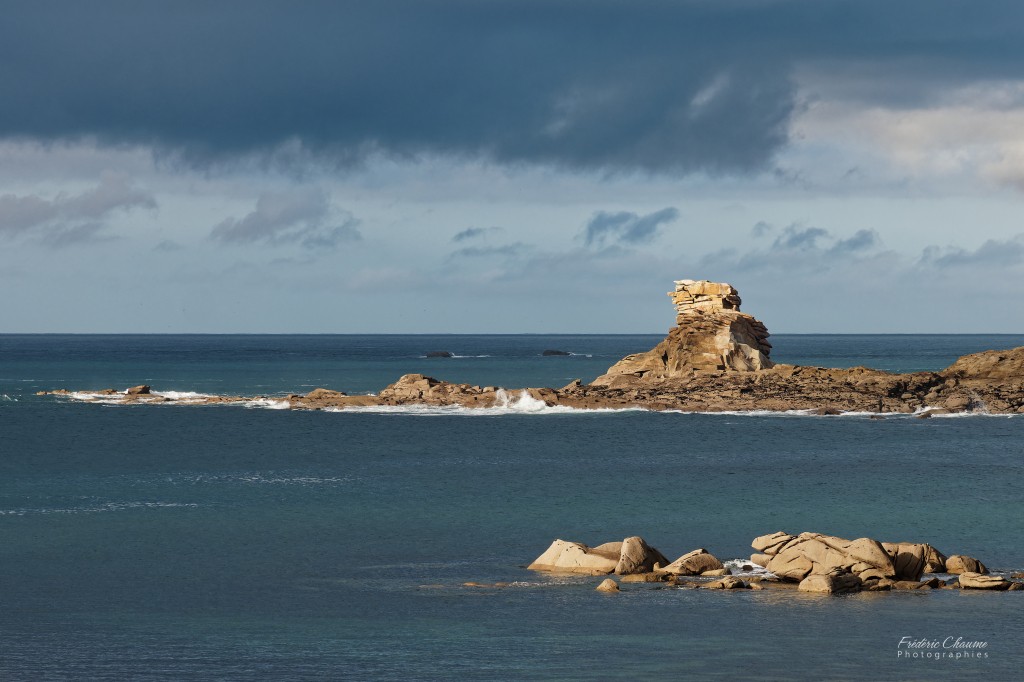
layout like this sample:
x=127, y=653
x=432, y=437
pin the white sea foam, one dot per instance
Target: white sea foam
x=266, y=403
x=736, y=566
x=260, y=479
x=182, y=396
x=520, y=402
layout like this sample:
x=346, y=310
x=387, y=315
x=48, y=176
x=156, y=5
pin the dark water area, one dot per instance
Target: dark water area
x=176, y=542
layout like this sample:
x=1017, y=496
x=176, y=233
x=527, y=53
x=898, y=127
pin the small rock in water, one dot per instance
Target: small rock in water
x=549, y=353
x=440, y=354
x=141, y=389
x=607, y=585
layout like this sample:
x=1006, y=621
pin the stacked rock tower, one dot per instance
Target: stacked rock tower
x=711, y=334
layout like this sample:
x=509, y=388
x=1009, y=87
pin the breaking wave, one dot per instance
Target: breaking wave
x=519, y=402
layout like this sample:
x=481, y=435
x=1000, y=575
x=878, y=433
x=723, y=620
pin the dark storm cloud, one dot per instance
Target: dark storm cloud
x=672, y=87
x=626, y=227
x=70, y=218
x=300, y=216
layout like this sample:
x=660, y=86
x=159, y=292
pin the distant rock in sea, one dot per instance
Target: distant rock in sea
x=549, y=353
x=440, y=354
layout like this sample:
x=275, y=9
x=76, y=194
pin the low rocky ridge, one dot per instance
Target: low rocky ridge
x=715, y=359
x=810, y=562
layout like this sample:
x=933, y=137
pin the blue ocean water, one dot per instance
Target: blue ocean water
x=176, y=542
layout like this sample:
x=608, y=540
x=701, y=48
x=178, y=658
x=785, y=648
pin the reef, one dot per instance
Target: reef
x=715, y=359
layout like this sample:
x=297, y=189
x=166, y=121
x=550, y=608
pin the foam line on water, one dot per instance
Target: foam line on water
x=519, y=402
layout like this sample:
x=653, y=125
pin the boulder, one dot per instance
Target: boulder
x=607, y=585
x=693, y=563
x=760, y=560
x=323, y=393
x=716, y=573
x=935, y=561
x=141, y=389
x=632, y=555
x=727, y=583
x=977, y=581
x=830, y=583
x=773, y=542
x=440, y=354
x=958, y=564
x=574, y=557
x=644, y=578
x=814, y=553
x=636, y=556
x=908, y=559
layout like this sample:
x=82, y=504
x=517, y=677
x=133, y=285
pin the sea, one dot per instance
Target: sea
x=247, y=542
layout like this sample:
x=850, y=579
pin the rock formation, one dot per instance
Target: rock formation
x=711, y=334
x=959, y=564
x=715, y=359
x=697, y=562
x=631, y=556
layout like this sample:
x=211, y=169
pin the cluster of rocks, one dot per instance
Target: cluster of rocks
x=811, y=561
x=825, y=563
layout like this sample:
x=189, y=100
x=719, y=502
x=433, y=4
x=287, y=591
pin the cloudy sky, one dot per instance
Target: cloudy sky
x=509, y=165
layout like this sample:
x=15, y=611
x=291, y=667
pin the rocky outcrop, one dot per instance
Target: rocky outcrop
x=816, y=554
x=979, y=581
x=575, y=557
x=715, y=359
x=958, y=564
x=607, y=585
x=831, y=583
x=697, y=562
x=911, y=559
x=417, y=389
x=631, y=556
x=711, y=334
x=636, y=556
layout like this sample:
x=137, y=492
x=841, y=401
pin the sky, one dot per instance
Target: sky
x=509, y=166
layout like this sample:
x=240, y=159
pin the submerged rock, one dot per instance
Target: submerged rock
x=550, y=353
x=440, y=354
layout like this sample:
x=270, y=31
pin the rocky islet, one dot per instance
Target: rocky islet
x=810, y=562
x=716, y=358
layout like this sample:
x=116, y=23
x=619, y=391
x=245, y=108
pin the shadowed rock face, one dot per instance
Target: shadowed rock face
x=711, y=334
